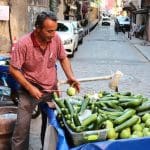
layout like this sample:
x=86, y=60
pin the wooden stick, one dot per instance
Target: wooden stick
x=88, y=79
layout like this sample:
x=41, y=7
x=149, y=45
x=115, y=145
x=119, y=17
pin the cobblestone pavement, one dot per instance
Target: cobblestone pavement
x=103, y=52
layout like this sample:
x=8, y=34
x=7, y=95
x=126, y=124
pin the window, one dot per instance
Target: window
x=62, y=27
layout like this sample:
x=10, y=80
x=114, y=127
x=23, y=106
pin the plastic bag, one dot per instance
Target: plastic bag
x=61, y=140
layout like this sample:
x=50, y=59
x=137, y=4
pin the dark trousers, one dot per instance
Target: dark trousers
x=44, y=125
x=26, y=105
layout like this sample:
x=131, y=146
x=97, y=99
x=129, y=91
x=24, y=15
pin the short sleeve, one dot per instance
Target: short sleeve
x=18, y=55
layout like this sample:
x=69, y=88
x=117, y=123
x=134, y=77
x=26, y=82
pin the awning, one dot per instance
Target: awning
x=141, y=11
x=129, y=7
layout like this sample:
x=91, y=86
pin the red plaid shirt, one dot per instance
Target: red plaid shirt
x=36, y=66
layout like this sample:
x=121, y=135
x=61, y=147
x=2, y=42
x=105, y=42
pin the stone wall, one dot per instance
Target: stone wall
x=4, y=30
x=60, y=10
x=22, y=17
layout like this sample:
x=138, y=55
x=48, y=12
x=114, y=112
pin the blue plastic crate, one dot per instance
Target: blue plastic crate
x=12, y=83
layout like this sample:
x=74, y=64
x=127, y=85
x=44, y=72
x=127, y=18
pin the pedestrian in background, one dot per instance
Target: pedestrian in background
x=33, y=66
x=116, y=26
x=66, y=12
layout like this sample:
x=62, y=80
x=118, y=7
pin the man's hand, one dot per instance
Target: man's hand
x=74, y=83
x=17, y=74
x=35, y=92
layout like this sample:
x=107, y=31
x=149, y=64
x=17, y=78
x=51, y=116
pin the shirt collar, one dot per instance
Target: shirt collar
x=35, y=43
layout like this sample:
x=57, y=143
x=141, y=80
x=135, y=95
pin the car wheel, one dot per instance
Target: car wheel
x=81, y=41
x=76, y=49
x=71, y=56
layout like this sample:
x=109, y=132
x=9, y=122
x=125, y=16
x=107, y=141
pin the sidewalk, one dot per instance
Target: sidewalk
x=141, y=45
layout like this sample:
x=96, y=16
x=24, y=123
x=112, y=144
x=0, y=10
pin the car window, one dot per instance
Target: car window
x=106, y=19
x=62, y=27
x=75, y=25
x=122, y=18
x=127, y=19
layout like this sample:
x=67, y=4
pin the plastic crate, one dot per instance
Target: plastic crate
x=4, y=90
x=12, y=83
x=85, y=136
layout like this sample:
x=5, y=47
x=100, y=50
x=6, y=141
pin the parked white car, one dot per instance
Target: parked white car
x=80, y=31
x=69, y=36
x=106, y=21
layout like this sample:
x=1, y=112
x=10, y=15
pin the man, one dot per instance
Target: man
x=33, y=66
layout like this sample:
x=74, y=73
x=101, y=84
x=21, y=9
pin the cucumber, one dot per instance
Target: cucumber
x=109, y=109
x=133, y=103
x=118, y=113
x=76, y=120
x=102, y=104
x=68, y=122
x=127, y=114
x=55, y=96
x=91, y=137
x=98, y=122
x=76, y=109
x=104, y=93
x=93, y=107
x=60, y=103
x=107, y=102
x=79, y=129
x=92, y=118
x=68, y=117
x=108, y=98
x=143, y=112
x=111, y=117
x=62, y=124
x=69, y=106
x=64, y=111
x=72, y=126
x=114, y=106
x=143, y=107
x=130, y=122
x=126, y=99
x=126, y=93
x=84, y=105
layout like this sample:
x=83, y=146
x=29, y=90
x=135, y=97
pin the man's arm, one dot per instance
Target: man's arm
x=65, y=63
x=27, y=85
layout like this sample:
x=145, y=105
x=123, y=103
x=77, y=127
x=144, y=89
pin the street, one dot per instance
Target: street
x=102, y=53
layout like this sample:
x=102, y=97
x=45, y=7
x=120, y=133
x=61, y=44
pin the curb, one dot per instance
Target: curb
x=137, y=48
x=90, y=27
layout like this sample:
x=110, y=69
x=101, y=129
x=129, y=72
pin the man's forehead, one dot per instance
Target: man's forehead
x=50, y=24
x=48, y=21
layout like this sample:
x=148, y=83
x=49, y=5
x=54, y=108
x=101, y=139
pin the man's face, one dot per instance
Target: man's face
x=47, y=32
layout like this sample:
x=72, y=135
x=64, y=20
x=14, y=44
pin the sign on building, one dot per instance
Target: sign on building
x=4, y=13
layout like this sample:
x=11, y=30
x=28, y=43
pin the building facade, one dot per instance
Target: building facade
x=21, y=19
x=139, y=11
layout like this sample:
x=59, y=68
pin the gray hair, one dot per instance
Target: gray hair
x=43, y=16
